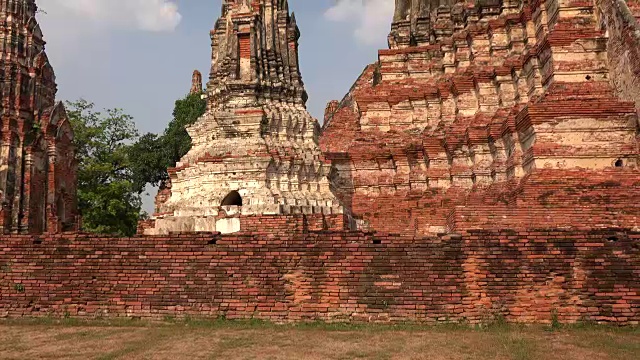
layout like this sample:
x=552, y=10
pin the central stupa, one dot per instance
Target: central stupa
x=255, y=150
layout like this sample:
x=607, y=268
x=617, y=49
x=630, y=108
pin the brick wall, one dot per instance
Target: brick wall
x=550, y=199
x=244, y=44
x=474, y=276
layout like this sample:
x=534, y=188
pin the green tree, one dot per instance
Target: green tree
x=186, y=112
x=148, y=161
x=107, y=198
x=152, y=154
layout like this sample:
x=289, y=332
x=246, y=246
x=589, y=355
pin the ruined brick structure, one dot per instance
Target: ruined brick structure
x=255, y=151
x=488, y=112
x=37, y=163
x=196, y=83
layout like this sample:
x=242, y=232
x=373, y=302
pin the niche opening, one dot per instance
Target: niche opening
x=233, y=199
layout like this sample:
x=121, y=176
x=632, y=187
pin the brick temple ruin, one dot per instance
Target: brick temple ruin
x=255, y=151
x=485, y=166
x=37, y=163
x=493, y=114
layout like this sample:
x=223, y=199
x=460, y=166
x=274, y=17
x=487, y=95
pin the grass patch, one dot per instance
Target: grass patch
x=92, y=334
x=519, y=347
x=87, y=334
x=249, y=339
x=248, y=324
x=75, y=322
x=118, y=353
x=369, y=355
x=229, y=343
x=133, y=347
x=608, y=339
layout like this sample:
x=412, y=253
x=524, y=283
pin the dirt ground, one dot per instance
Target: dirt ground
x=190, y=340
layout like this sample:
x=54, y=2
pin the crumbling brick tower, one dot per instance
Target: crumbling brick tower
x=37, y=164
x=255, y=151
x=493, y=113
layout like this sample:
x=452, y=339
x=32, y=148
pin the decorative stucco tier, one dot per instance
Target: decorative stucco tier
x=255, y=151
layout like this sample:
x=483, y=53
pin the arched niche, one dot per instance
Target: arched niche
x=232, y=199
x=58, y=123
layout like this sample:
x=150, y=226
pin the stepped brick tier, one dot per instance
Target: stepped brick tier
x=37, y=163
x=476, y=276
x=255, y=151
x=494, y=114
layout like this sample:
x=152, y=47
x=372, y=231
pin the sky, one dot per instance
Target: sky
x=138, y=55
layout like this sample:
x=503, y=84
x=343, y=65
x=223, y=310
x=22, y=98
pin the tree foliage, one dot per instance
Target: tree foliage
x=147, y=159
x=115, y=164
x=153, y=154
x=186, y=112
x=107, y=199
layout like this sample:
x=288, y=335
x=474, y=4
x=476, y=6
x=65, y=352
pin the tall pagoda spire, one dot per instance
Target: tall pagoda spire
x=255, y=54
x=255, y=151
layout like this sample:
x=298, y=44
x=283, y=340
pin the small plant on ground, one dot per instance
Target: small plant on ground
x=555, y=322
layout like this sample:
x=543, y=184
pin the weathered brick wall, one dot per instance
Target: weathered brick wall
x=524, y=276
x=556, y=198
x=618, y=17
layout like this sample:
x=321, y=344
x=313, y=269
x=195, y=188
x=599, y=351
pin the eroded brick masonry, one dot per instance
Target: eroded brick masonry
x=475, y=276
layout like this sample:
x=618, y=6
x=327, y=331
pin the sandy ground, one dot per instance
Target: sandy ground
x=20, y=340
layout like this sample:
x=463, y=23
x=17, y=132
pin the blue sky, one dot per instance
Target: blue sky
x=138, y=55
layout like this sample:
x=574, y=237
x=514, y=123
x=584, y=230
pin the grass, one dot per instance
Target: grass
x=221, y=339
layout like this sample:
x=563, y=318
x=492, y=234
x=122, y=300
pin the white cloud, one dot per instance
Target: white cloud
x=80, y=31
x=148, y=15
x=372, y=18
